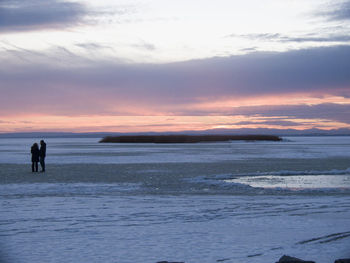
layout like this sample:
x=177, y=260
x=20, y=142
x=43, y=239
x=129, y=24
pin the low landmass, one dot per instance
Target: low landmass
x=186, y=138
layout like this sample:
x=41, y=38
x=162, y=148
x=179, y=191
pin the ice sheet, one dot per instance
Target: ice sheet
x=85, y=226
x=88, y=150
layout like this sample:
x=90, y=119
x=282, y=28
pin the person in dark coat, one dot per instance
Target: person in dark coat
x=35, y=156
x=42, y=155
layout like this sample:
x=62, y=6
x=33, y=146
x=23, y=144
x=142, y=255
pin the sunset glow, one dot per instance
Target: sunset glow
x=155, y=65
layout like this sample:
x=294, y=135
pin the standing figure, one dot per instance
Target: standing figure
x=42, y=155
x=35, y=156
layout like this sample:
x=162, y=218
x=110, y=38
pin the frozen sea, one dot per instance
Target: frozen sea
x=195, y=203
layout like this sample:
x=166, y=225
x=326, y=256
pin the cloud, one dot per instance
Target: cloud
x=277, y=37
x=341, y=12
x=100, y=87
x=270, y=123
x=326, y=111
x=92, y=46
x=144, y=45
x=249, y=49
x=18, y=15
x=5, y=122
x=281, y=114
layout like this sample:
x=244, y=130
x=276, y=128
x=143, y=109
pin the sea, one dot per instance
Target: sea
x=237, y=201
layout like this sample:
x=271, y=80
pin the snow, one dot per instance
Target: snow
x=89, y=227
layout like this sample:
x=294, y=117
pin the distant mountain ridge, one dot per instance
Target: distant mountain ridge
x=243, y=131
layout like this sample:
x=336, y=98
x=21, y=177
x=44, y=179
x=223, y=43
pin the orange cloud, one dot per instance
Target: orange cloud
x=271, y=100
x=158, y=123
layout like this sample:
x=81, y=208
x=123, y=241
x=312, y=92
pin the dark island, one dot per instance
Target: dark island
x=186, y=138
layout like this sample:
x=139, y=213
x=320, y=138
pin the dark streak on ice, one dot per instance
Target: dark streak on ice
x=326, y=239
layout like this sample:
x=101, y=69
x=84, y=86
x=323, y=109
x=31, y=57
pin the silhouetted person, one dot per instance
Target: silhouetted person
x=35, y=156
x=42, y=155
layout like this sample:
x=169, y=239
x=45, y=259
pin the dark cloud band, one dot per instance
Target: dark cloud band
x=341, y=12
x=17, y=15
x=104, y=88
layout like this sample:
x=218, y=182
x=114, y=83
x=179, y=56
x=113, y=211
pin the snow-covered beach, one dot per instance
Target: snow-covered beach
x=205, y=202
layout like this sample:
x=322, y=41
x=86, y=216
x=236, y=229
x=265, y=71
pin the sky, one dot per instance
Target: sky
x=174, y=65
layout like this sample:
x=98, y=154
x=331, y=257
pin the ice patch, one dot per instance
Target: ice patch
x=295, y=182
x=333, y=181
